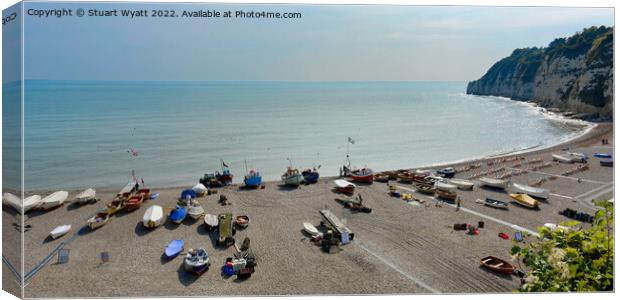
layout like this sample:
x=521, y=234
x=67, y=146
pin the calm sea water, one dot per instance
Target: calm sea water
x=79, y=134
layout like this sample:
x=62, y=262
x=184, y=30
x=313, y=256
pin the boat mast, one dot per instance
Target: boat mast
x=246, y=165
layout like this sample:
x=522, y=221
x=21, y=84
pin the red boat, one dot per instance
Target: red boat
x=364, y=175
x=134, y=202
x=344, y=186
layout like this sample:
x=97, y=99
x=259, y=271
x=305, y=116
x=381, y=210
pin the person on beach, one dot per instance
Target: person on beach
x=458, y=203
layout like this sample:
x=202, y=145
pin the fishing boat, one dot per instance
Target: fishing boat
x=60, y=231
x=210, y=180
x=211, y=222
x=253, y=179
x=195, y=210
x=423, y=179
x=344, y=186
x=495, y=203
x=560, y=158
x=54, y=200
x=602, y=155
x=405, y=177
x=310, y=176
x=497, y=265
x=450, y=195
x=178, y=214
x=174, y=248
x=242, y=221
x=226, y=177
x=446, y=172
x=382, y=177
x=525, y=200
x=392, y=175
x=462, y=184
x=86, y=196
x=153, y=217
x=310, y=229
x=133, y=202
x=29, y=203
x=425, y=188
x=493, y=182
x=145, y=193
x=530, y=190
x=196, y=260
x=115, y=206
x=98, y=220
x=292, y=177
x=364, y=175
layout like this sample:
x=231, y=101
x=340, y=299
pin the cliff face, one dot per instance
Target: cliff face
x=573, y=74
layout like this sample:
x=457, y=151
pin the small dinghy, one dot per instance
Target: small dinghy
x=446, y=172
x=60, y=231
x=425, y=188
x=462, y=184
x=196, y=261
x=86, y=196
x=525, y=200
x=344, y=186
x=29, y=203
x=174, y=248
x=242, y=221
x=114, y=206
x=153, y=217
x=493, y=182
x=310, y=229
x=530, y=190
x=495, y=203
x=178, y=214
x=497, y=265
x=602, y=155
x=211, y=222
x=98, y=220
x=54, y=200
x=134, y=202
x=445, y=187
x=195, y=210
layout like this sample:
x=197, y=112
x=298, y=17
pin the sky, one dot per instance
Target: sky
x=329, y=42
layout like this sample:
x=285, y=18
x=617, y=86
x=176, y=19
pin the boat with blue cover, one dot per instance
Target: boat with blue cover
x=174, y=248
x=178, y=214
x=310, y=176
x=602, y=155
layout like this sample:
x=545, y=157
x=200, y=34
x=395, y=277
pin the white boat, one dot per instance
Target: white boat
x=60, y=231
x=195, y=210
x=462, y=184
x=530, y=190
x=344, y=186
x=153, y=217
x=196, y=260
x=561, y=158
x=292, y=177
x=29, y=203
x=54, y=200
x=200, y=189
x=445, y=187
x=310, y=229
x=494, y=182
x=577, y=157
x=98, y=220
x=436, y=178
x=86, y=196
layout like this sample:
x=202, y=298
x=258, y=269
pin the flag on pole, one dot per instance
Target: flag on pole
x=350, y=140
x=142, y=179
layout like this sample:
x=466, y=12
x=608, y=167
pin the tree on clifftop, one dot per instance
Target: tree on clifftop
x=571, y=260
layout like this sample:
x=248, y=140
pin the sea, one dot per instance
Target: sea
x=81, y=134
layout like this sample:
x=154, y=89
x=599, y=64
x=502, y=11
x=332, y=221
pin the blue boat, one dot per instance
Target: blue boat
x=253, y=179
x=188, y=193
x=174, y=248
x=310, y=176
x=602, y=155
x=446, y=173
x=178, y=214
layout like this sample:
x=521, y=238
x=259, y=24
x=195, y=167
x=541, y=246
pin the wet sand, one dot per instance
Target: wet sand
x=399, y=248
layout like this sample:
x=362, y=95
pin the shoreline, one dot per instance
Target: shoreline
x=589, y=136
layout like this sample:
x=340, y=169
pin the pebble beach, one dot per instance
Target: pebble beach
x=399, y=248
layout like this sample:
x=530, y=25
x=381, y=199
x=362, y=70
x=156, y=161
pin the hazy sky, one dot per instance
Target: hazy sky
x=328, y=43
